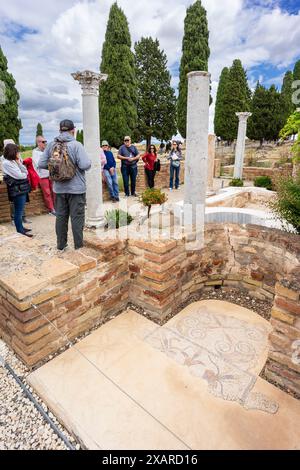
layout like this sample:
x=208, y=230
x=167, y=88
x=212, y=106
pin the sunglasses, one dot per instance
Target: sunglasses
x=126, y=140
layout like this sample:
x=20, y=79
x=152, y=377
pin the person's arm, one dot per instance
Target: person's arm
x=43, y=161
x=82, y=159
x=137, y=156
x=15, y=169
x=120, y=156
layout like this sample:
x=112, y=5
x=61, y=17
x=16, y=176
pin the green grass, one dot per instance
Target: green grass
x=26, y=154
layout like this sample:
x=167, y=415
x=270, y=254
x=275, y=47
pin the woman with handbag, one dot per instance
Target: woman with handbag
x=151, y=164
x=175, y=158
x=18, y=187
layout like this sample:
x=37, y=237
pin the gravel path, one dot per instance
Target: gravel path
x=22, y=427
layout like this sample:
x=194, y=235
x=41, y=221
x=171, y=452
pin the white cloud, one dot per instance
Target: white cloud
x=71, y=33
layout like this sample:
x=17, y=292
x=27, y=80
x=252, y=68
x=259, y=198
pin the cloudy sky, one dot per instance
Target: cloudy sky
x=46, y=41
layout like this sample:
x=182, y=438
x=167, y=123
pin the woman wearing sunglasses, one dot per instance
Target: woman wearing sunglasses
x=149, y=158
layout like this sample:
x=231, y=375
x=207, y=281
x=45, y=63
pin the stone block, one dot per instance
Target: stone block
x=58, y=270
x=84, y=262
x=289, y=306
x=24, y=283
x=287, y=293
x=283, y=316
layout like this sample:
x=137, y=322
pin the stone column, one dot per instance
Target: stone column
x=89, y=82
x=211, y=162
x=240, y=145
x=195, y=180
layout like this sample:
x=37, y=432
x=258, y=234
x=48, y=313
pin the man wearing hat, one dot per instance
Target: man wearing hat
x=129, y=156
x=70, y=195
x=110, y=172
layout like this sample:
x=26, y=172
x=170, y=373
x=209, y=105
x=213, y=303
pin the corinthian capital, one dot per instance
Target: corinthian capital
x=89, y=81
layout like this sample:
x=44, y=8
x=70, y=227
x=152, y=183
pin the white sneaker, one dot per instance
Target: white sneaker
x=171, y=189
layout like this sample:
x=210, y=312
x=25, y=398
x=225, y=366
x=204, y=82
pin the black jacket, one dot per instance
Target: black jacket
x=16, y=187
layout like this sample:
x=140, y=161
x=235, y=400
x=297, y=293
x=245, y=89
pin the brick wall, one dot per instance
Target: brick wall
x=250, y=173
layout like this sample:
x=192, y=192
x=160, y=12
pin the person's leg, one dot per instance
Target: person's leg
x=53, y=195
x=115, y=185
x=152, y=178
x=109, y=182
x=148, y=177
x=62, y=220
x=19, y=204
x=46, y=190
x=77, y=211
x=177, y=177
x=125, y=176
x=133, y=176
x=171, y=176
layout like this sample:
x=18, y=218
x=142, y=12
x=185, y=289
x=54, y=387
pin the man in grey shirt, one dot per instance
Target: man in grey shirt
x=70, y=195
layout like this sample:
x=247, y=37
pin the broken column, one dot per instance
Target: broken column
x=89, y=82
x=211, y=162
x=196, y=151
x=240, y=145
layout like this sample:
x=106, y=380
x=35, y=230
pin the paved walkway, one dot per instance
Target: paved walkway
x=191, y=384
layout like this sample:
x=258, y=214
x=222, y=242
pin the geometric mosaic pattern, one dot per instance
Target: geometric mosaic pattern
x=222, y=350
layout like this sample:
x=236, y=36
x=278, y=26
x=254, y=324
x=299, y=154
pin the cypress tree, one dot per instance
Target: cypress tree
x=267, y=118
x=286, y=94
x=39, y=129
x=195, y=55
x=10, y=124
x=118, y=95
x=79, y=136
x=220, y=118
x=237, y=98
x=276, y=119
x=258, y=122
x=156, y=104
x=297, y=70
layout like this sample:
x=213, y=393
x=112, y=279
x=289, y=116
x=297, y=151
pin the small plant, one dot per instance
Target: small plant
x=236, y=182
x=287, y=204
x=151, y=197
x=117, y=218
x=263, y=182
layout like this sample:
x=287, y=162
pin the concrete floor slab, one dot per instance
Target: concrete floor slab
x=117, y=389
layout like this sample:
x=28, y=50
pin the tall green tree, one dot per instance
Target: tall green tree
x=237, y=98
x=118, y=95
x=39, y=129
x=286, y=93
x=195, y=55
x=267, y=118
x=79, y=136
x=297, y=70
x=220, y=118
x=10, y=124
x=156, y=104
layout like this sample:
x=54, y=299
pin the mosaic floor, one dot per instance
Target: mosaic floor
x=191, y=384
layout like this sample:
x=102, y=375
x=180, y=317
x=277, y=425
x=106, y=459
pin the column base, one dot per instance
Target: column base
x=98, y=222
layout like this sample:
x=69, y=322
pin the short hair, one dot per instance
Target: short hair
x=11, y=151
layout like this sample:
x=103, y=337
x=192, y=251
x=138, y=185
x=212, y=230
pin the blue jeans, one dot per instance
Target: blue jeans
x=177, y=172
x=129, y=172
x=112, y=184
x=19, y=205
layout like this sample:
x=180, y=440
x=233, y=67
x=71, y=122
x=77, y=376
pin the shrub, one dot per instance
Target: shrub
x=151, y=197
x=263, y=182
x=287, y=204
x=117, y=218
x=236, y=182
